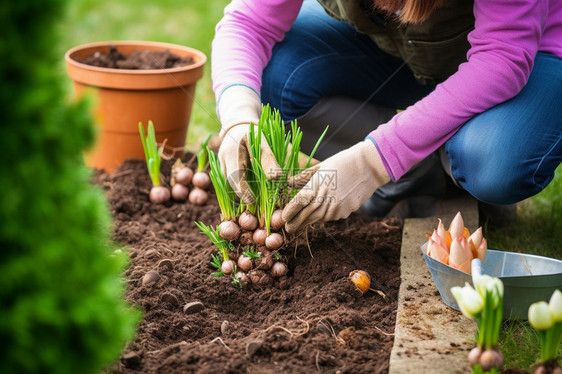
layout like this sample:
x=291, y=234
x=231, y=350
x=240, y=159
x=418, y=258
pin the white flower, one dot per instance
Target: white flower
x=486, y=283
x=496, y=287
x=540, y=316
x=469, y=300
x=555, y=306
x=482, y=284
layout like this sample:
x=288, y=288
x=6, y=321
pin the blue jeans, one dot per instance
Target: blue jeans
x=501, y=156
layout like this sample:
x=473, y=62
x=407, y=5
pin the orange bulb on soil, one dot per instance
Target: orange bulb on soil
x=361, y=279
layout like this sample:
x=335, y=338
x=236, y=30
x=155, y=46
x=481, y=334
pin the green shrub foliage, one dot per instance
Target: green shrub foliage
x=61, y=292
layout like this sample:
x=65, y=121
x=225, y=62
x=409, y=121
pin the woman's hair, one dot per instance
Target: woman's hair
x=415, y=11
x=411, y=11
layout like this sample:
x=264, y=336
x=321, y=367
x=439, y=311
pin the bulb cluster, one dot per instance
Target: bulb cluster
x=250, y=237
x=187, y=184
x=257, y=260
x=183, y=177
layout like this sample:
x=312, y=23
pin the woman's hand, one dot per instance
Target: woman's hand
x=336, y=187
x=239, y=108
x=234, y=157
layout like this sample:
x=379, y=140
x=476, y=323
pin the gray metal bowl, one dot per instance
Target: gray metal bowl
x=526, y=279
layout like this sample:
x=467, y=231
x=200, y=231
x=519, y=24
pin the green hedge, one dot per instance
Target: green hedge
x=61, y=291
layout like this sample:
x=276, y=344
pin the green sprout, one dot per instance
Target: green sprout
x=256, y=178
x=291, y=166
x=242, y=207
x=236, y=281
x=273, y=130
x=492, y=314
x=265, y=191
x=285, y=146
x=225, y=194
x=216, y=262
x=311, y=156
x=202, y=154
x=546, y=318
x=252, y=253
x=213, y=234
x=268, y=192
x=485, y=305
x=152, y=153
x=268, y=198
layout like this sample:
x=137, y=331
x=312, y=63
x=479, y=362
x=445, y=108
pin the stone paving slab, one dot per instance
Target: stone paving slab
x=430, y=337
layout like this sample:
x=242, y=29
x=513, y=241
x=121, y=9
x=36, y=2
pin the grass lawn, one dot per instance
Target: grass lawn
x=538, y=228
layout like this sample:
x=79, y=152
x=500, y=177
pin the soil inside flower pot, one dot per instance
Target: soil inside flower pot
x=137, y=60
x=312, y=320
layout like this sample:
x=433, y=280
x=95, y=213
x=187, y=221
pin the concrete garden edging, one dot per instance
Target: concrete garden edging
x=430, y=337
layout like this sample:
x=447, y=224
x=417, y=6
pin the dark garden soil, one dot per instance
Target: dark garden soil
x=137, y=60
x=312, y=320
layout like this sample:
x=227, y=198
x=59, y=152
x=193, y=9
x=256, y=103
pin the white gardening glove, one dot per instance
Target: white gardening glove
x=336, y=187
x=240, y=108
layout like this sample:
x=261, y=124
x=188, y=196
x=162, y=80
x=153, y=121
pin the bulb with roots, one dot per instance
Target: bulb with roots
x=248, y=221
x=260, y=278
x=229, y=230
x=246, y=238
x=265, y=261
x=179, y=192
x=279, y=269
x=201, y=180
x=184, y=176
x=198, y=196
x=491, y=358
x=274, y=241
x=227, y=267
x=259, y=236
x=550, y=367
x=474, y=356
x=277, y=221
x=159, y=194
x=243, y=279
x=244, y=263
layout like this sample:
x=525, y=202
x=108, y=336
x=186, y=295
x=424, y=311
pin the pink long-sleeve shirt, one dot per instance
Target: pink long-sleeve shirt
x=506, y=38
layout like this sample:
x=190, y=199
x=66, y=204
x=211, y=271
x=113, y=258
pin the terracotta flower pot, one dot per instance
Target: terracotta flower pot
x=125, y=97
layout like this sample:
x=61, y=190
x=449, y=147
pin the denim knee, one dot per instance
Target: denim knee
x=511, y=151
x=494, y=176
